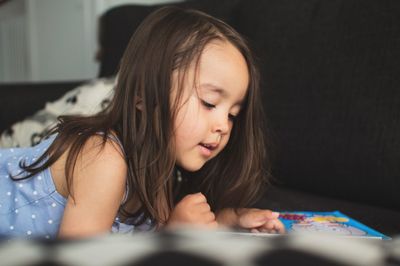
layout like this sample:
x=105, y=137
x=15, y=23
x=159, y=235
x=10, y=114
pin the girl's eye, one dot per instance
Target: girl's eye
x=212, y=106
x=207, y=105
x=232, y=117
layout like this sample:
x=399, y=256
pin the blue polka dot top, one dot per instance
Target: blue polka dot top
x=32, y=207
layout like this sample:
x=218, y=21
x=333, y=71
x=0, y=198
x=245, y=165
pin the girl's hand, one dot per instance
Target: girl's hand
x=193, y=209
x=258, y=220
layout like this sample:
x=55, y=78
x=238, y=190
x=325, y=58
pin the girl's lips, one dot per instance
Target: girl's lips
x=205, y=151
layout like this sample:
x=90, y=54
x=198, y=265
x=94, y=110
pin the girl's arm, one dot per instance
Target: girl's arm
x=98, y=187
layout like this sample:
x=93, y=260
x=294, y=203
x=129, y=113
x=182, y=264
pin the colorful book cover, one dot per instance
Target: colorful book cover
x=334, y=222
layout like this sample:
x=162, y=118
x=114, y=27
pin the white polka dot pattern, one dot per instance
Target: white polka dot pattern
x=32, y=207
x=29, y=207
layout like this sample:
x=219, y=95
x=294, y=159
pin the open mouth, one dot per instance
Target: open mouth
x=208, y=146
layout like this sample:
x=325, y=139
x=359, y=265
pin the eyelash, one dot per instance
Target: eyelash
x=210, y=106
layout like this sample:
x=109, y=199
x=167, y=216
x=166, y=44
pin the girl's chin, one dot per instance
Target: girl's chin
x=190, y=167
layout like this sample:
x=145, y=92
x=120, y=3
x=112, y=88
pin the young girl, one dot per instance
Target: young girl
x=180, y=143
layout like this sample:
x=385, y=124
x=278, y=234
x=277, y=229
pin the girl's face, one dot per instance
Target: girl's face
x=211, y=99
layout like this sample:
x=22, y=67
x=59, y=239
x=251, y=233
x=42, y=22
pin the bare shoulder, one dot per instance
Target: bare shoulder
x=97, y=159
x=101, y=163
x=96, y=149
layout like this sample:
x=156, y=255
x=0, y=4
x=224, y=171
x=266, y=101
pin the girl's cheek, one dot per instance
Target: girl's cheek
x=225, y=141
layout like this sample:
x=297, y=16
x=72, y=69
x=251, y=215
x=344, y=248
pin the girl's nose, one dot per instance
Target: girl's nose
x=221, y=125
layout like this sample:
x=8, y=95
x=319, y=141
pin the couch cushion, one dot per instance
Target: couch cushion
x=118, y=24
x=19, y=100
x=331, y=89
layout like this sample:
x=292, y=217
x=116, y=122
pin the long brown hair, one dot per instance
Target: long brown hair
x=169, y=39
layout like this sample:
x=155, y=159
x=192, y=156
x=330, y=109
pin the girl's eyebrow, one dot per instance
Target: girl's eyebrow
x=219, y=90
x=215, y=88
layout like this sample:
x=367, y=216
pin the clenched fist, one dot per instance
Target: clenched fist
x=193, y=209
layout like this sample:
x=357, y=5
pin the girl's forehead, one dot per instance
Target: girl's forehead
x=220, y=67
x=223, y=67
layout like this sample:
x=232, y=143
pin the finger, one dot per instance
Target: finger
x=269, y=215
x=277, y=226
x=268, y=226
x=254, y=230
x=203, y=207
x=256, y=218
x=273, y=226
x=264, y=215
x=195, y=198
x=210, y=217
x=269, y=231
x=212, y=225
x=199, y=198
x=280, y=227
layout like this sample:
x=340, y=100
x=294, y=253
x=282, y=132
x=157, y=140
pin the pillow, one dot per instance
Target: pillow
x=86, y=99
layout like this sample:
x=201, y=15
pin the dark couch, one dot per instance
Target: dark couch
x=331, y=92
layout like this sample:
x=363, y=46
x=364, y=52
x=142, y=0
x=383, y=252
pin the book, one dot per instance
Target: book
x=333, y=222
